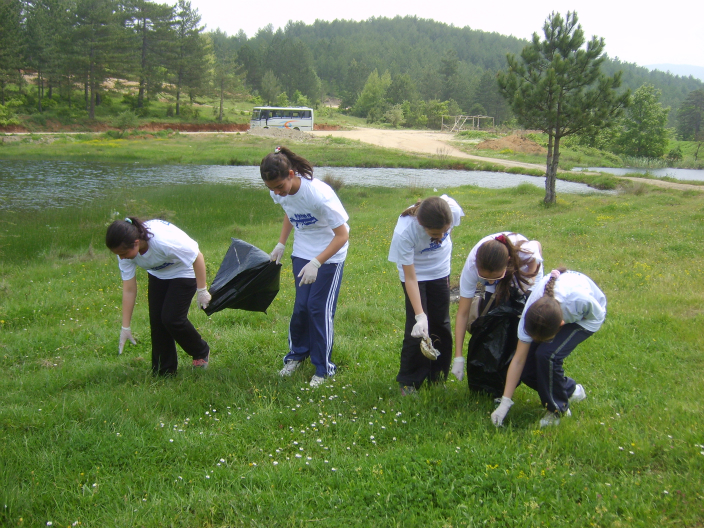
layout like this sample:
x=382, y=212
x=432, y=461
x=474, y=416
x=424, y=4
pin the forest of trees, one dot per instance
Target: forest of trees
x=380, y=68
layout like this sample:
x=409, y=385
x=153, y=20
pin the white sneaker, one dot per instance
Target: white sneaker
x=552, y=418
x=578, y=395
x=290, y=367
x=316, y=381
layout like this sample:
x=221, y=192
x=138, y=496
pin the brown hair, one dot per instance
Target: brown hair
x=543, y=318
x=277, y=165
x=121, y=234
x=499, y=253
x=432, y=213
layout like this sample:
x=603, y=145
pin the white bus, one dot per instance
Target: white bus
x=291, y=117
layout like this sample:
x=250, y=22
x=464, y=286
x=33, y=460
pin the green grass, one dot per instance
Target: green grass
x=89, y=436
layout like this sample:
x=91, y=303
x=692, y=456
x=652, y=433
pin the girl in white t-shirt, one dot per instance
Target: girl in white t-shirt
x=563, y=310
x=508, y=265
x=319, y=250
x=421, y=247
x=176, y=270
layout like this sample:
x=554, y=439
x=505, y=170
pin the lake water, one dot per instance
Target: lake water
x=680, y=174
x=35, y=184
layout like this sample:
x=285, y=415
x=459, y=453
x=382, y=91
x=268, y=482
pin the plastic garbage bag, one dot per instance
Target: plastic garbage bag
x=492, y=346
x=246, y=280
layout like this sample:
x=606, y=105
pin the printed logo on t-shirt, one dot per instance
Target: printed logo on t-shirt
x=303, y=219
x=435, y=245
x=162, y=266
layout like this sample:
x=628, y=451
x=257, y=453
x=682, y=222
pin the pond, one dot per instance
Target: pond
x=680, y=174
x=36, y=184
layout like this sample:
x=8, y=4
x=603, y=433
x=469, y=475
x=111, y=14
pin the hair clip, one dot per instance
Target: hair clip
x=128, y=220
x=277, y=150
x=555, y=274
x=502, y=239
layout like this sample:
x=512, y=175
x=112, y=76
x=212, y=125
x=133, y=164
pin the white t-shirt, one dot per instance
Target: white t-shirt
x=171, y=253
x=412, y=245
x=529, y=250
x=315, y=210
x=581, y=300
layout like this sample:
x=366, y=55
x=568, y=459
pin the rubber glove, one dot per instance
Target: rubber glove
x=278, y=252
x=420, y=329
x=309, y=272
x=125, y=334
x=458, y=367
x=203, y=297
x=497, y=417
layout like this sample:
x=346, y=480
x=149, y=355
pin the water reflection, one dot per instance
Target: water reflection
x=36, y=184
x=680, y=174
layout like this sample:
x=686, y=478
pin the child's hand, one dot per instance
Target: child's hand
x=497, y=417
x=420, y=329
x=278, y=252
x=125, y=334
x=458, y=367
x=309, y=272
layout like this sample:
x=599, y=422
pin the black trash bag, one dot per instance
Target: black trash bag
x=246, y=280
x=492, y=346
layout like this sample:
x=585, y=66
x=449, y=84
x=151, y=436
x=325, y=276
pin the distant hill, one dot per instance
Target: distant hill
x=683, y=70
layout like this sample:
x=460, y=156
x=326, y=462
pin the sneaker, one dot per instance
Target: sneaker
x=578, y=395
x=552, y=418
x=201, y=363
x=316, y=381
x=289, y=368
x=408, y=390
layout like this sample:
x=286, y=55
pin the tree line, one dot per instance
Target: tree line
x=405, y=71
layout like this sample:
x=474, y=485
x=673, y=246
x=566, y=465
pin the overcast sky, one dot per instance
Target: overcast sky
x=643, y=32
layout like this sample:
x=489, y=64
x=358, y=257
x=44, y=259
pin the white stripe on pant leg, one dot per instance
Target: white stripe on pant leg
x=329, y=330
x=552, y=370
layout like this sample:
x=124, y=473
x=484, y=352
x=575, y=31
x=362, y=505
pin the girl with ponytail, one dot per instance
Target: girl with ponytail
x=563, y=310
x=421, y=247
x=507, y=264
x=176, y=271
x=320, y=244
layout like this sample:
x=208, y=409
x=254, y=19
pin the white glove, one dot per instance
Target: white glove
x=420, y=329
x=278, y=252
x=125, y=334
x=309, y=272
x=497, y=417
x=458, y=367
x=203, y=297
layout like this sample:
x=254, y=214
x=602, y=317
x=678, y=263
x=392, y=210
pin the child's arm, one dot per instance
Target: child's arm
x=460, y=331
x=310, y=270
x=203, y=296
x=129, y=298
x=513, y=376
x=420, y=329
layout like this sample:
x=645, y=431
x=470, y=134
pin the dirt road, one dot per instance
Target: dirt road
x=421, y=141
x=428, y=142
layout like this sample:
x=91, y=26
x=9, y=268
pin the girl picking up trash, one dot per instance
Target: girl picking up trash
x=507, y=265
x=320, y=245
x=563, y=310
x=176, y=271
x=421, y=247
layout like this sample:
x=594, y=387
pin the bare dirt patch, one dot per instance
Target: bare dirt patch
x=283, y=133
x=514, y=143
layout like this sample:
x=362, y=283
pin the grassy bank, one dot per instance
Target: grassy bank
x=89, y=437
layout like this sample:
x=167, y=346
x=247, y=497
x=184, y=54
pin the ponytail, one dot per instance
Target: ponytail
x=543, y=318
x=277, y=165
x=431, y=213
x=123, y=233
x=498, y=254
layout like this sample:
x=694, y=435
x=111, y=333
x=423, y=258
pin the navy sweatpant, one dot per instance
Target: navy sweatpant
x=415, y=367
x=543, y=370
x=311, y=332
x=169, y=301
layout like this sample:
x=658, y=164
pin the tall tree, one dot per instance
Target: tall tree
x=490, y=99
x=556, y=86
x=690, y=115
x=10, y=42
x=189, y=66
x=270, y=87
x=225, y=74
x=372, y=101
x=643, y=126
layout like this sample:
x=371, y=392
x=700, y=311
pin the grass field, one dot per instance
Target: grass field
x=89, y=438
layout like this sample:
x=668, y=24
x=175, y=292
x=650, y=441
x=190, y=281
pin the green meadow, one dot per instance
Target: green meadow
x=89, y=438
